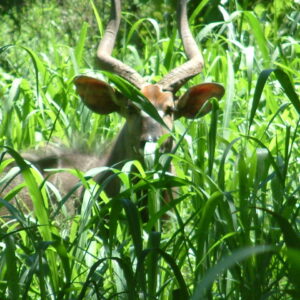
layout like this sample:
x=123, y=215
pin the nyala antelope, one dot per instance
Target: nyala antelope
x=139, y=128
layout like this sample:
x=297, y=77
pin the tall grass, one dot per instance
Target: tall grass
x=233, y=231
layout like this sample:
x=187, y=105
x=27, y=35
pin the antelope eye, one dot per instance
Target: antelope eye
x=169, y=110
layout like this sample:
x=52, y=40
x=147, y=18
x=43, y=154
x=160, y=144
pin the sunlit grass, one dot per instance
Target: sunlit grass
x=233, y=228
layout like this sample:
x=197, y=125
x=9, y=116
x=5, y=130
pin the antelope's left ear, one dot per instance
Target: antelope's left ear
x=191, y=104
x=97, y=95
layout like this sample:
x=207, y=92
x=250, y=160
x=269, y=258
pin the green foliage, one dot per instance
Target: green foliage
x=233, y=231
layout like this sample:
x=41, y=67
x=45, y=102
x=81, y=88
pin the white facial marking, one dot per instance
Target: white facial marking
x=161, y=113
x=149, y=153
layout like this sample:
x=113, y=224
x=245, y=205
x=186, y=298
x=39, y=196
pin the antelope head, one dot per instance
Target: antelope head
x=140, y=128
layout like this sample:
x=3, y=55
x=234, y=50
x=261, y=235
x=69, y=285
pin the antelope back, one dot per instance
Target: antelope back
x=44, y=160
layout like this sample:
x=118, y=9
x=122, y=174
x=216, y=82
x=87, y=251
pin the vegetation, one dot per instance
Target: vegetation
x=233, y=231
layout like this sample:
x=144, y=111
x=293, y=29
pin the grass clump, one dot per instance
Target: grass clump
x=233, y=231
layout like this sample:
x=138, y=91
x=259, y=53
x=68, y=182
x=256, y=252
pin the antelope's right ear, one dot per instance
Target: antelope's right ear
x=97, y=95
x=193, y=104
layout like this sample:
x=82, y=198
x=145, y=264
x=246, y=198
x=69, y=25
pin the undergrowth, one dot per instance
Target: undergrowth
x=233, y=230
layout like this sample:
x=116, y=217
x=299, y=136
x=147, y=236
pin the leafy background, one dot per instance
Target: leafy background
x=234, y=226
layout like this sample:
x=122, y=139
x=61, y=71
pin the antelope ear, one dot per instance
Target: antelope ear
x=97, y=95
x=191, y=104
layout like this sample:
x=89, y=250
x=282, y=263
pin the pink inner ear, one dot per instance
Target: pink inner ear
x=97, y=95
x=192, y=102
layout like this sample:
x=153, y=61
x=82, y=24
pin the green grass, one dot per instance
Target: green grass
x=234, y=226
